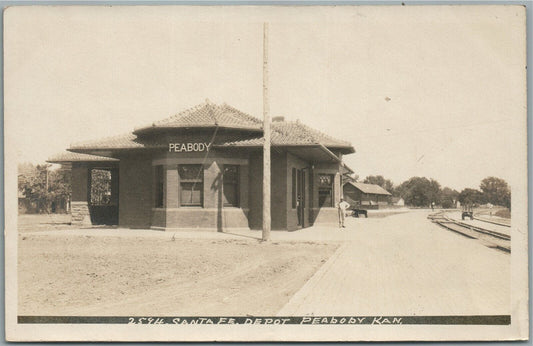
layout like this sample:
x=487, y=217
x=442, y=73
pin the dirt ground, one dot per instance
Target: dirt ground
x=43, y=222
x=60, y=274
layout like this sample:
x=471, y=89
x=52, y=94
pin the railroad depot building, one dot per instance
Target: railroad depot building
x=203, y=169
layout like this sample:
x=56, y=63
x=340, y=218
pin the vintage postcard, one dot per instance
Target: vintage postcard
x=264, y=173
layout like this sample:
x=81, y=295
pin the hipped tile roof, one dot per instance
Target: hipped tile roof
x=207, y=114
x=292, y=133
x=125, y=141
x=211, y=115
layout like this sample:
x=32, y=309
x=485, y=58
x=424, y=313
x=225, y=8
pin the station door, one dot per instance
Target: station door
x=302, y=190
x=103, y=196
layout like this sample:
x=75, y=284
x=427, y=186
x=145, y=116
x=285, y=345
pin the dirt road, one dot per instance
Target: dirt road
x=407, y=266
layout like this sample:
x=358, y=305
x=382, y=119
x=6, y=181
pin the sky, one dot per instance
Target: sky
x=434, y=91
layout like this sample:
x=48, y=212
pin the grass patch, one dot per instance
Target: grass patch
x=503, y=213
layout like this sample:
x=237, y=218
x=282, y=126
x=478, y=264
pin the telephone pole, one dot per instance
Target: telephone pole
x=266, y=145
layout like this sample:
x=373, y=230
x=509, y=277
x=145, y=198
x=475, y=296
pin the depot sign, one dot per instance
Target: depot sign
x=188, y=147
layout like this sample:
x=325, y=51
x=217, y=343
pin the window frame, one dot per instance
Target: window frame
x=236, y=185
x=199, y=181
x=330, y=188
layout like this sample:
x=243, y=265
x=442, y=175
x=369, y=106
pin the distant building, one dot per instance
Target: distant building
x=367, y=196
x=397, y=201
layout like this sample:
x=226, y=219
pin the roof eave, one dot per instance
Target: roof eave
x=313, y=145
x=61, y=162
x=67, y=158
x=104, y=152
x=330, y=153
x=348, y=150
x=347, y=168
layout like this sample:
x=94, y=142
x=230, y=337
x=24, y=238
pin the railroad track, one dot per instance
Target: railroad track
x=489, y=238
x=491, y=221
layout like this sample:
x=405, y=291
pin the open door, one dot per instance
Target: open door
x=103, y=196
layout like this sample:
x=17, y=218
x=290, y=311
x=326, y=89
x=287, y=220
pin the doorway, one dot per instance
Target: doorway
x=302, y=190
x=103, y=196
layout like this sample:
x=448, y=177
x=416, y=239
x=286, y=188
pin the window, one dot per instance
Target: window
x=191, y=185
x=159, y=187
x=231, y=185
x=325, y=190
x=294, y=196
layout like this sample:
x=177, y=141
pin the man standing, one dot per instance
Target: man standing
x=342, y=207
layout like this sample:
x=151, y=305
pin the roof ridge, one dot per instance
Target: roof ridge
x=235, y=110
x=183, y=113
x=208, y=113
x=212, y=110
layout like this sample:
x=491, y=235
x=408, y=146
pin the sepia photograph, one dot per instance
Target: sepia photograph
x=266, y=173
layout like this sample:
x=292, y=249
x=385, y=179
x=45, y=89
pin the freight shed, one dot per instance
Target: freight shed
x=366, y=196
x=202, y=169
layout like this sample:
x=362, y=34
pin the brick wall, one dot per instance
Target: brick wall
x=80, y=176
x=194, y=218
x=255, y=216
x=278, y=184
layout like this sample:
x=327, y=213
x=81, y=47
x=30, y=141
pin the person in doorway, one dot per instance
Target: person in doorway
x=342, y=207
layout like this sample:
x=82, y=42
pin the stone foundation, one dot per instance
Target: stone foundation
x=80, y=214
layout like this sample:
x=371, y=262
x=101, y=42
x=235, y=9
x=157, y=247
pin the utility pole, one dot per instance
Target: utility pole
x=266, y=136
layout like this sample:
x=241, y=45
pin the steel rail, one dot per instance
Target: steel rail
x=495, y=239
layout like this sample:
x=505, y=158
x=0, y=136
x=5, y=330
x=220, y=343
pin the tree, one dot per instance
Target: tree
x=496, y=191
x=419, y=191
x=434, y=192
x=60, y=188
x=470, y=196
x=448, y=198
x=379, y=180
x=44, y=188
